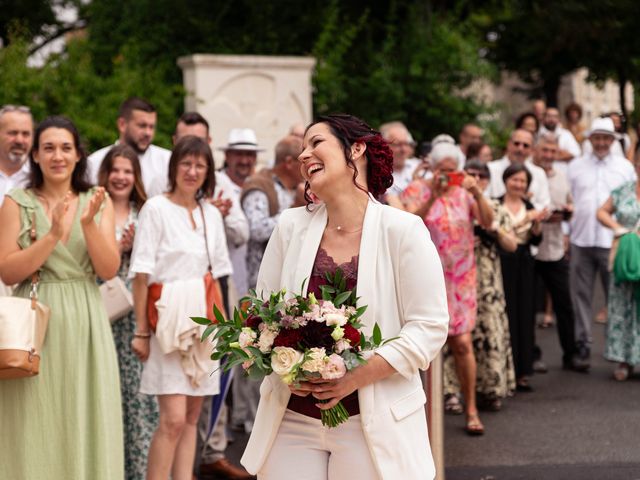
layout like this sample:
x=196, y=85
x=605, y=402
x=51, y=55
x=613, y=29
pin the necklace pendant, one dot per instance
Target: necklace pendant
x=338, y=228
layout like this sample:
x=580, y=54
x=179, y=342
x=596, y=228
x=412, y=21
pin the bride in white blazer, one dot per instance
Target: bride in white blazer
x=399, y=277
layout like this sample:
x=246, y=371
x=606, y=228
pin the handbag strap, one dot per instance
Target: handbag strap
x=35, y=277
x=206, y=239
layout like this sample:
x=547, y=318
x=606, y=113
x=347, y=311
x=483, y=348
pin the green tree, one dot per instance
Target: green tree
x=69, y=85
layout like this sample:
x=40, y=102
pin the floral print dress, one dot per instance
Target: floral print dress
x=139, y=411
x=450, y=223
x=623, y=324
x=491, y=339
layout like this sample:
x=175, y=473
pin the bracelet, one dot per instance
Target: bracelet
x=142, y=335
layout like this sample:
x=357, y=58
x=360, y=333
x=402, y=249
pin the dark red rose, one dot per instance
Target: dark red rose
x=288, y=338
x=352, y=335
x=318, y=335
x=253, y=321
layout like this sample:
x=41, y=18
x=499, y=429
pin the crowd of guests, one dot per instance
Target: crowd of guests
x=542, y=218
x=529, y=232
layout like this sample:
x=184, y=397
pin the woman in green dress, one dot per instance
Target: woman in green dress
x=120, y=175
x=66, y=422
x=623, y=324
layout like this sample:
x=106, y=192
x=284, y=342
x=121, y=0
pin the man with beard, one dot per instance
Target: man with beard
x=137, y=127
x=16, y=137
x=519, y=150
x=469, y=135
x=567, y=144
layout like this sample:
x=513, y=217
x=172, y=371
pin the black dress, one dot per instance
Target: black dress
x=518, y=276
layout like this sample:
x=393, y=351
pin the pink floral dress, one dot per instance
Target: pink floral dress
x=450, y=222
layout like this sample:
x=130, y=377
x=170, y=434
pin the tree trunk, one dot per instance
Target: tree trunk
x=622, y=83
x=550, y=89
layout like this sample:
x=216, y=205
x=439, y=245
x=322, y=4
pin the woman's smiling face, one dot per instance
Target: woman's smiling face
x=322, y=161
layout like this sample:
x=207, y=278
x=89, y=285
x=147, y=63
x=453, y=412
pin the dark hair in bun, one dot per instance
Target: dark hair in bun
x=349, y=130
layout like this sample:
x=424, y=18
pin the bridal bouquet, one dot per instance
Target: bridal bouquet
x=297, y=338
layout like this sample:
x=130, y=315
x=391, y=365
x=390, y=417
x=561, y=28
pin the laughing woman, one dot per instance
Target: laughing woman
x=120, y=175
x=66, y=422
x=389, y=257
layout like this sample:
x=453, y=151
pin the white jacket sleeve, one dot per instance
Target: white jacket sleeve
x=423, y=303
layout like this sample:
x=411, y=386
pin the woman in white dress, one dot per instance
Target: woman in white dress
x=179, y=236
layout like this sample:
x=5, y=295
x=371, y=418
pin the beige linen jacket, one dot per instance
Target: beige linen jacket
x=400, y=279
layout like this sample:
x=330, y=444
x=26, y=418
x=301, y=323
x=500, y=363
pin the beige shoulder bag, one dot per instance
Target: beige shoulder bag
x=23, y=326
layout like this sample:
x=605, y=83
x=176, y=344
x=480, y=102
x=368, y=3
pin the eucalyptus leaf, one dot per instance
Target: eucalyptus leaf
x=201, y=320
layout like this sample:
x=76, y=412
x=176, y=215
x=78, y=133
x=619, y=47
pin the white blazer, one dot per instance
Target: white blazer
x=401, y=281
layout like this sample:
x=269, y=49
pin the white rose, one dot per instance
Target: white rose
x=315, y=360
x=266, y=340
x=336, y=318
x=284, y=360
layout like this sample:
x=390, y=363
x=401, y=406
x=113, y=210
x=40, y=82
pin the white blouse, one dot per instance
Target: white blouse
x=168, y=248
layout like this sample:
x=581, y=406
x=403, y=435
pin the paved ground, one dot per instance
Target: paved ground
x=573, y=426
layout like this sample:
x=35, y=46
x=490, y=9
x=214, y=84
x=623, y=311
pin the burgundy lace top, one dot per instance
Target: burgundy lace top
x=323, y=264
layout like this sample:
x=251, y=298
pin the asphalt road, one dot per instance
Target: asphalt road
x=573, y=426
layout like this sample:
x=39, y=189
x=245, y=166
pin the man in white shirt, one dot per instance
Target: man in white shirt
x=623, y=137
x=568, y=146
x=137, y=126
x=592, y=178
x=16, y=138
x=470, y=134
x=518, y=151
x=551, y=263
x=402, y=146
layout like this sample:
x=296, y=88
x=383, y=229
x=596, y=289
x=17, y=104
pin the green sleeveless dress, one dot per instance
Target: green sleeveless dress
x=66, y=422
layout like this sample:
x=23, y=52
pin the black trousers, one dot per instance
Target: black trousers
x=518, y=275
x=555, y=276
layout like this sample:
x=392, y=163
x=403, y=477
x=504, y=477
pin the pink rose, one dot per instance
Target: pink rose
x=334, y=367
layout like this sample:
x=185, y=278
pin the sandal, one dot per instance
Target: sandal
x=621, y=373
x=452, y=405
x=490, y=404
x=474, y=426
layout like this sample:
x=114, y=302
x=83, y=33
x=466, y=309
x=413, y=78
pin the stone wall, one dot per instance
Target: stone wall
x=266, y=93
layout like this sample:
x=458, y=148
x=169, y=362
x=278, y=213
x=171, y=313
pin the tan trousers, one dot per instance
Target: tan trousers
x=305, y=450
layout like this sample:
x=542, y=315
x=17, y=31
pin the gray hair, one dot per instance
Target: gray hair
x=444, y=151
x=15, y=108
x=385, y=128
x=547, y=137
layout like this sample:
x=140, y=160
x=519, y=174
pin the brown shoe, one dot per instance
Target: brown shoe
x=225, y=469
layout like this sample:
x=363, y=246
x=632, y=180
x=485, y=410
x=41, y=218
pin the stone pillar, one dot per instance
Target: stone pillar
x=433, y=384
x=266, y=93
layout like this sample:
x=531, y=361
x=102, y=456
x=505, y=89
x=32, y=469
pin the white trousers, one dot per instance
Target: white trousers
x=306, y=450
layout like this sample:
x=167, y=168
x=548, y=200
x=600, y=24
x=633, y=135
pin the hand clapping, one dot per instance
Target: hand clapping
x=58, y=213
x=93, y=207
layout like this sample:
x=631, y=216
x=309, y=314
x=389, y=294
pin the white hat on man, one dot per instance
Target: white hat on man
x=602, y=126
x=242, y=139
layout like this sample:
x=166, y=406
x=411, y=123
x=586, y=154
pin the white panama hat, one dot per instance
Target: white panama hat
x=242, y=139
x=603, y=126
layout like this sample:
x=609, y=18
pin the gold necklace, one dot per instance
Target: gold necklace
x=340, y=229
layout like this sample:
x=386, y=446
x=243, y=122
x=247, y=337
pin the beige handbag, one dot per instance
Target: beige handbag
x=23, y=326
x=117, y=298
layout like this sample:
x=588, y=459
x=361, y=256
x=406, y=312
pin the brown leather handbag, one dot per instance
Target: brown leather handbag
x=23, y=326
x=211, y=286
